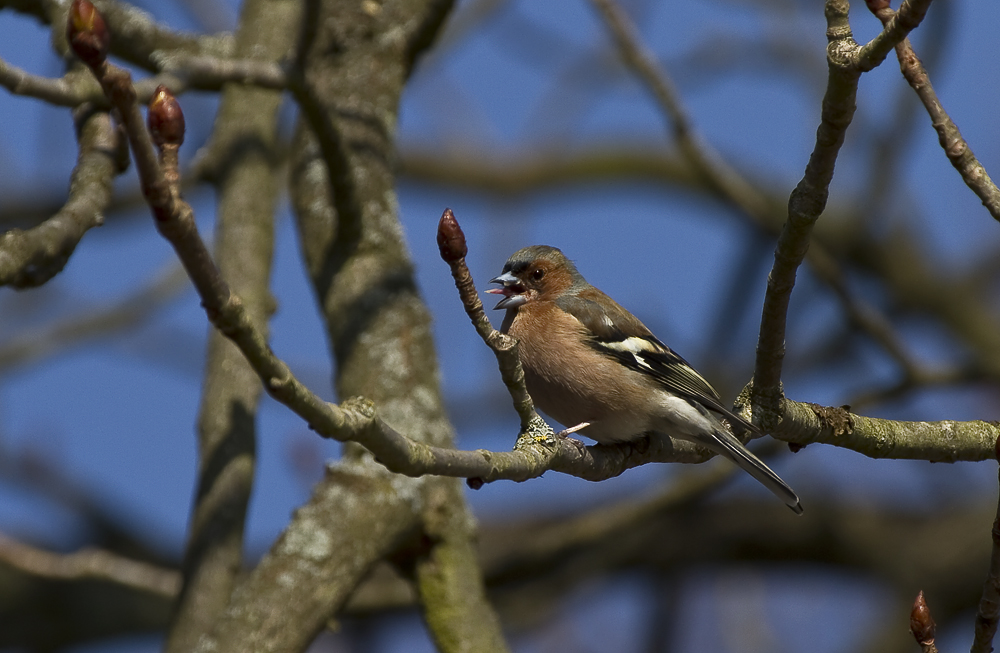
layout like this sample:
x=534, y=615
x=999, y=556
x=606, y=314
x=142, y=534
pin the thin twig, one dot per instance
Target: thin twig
x=180, y=73
x=955, y=147
x=74, y=88
x=141, y=40
x=808, y=200
x=988, y=614
x=90, y=564
x=453, y=248
x=130, y=312
x=705, y=160
x=910, y=15
x=30, y=258
x=207, y=73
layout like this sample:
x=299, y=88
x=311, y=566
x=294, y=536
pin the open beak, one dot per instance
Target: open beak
x=513, y=293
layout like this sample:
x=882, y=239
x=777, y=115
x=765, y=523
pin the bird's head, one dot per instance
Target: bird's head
x=532, y=273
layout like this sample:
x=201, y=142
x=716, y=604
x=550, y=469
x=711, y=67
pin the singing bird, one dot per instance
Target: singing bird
x=588, y=360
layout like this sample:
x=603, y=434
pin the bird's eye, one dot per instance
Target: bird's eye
x=537, y=274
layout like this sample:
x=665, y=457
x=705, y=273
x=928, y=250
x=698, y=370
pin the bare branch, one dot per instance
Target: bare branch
x=138, y=38
x=322, y=554
x=911, y=13
x=451, y=242
x=539, y=169
x=946, y=441
x=707, y=163
x=71, y=90
x=207, y=73
x=847, y=61
x=988, y=614
x=90, y=564
x=129, y=312
x=955, y=147
x=247, y=188
x=804, y=207
x=30, y=258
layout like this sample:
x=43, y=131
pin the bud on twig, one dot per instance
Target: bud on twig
x=87, y=33
x=921, y=624
x=451, y=240
x=166, y=120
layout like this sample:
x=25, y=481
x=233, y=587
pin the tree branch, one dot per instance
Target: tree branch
x=30, y=258
x=133, y=310
x=315, y=565
x=955, y=147
x=93, y=564
x=846, y=63
x=988, y=613
x=246, y=139
x=180, y=73
x=895, y=29
x=939, y=442
x=707, y=163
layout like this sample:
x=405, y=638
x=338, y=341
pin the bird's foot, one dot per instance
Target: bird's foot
x=565, y=433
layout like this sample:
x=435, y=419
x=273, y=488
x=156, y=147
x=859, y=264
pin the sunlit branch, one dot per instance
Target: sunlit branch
x=955, y=147
x=847, y=61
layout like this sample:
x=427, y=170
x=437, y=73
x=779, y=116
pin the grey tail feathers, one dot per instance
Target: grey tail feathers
x=734, y=450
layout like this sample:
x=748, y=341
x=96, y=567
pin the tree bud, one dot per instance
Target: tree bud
x=166, y=120
x=921, y=624
x=451, y=240
x=87, y=33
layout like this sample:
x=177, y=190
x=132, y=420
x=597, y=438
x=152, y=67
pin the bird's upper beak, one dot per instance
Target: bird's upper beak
x=511, y=289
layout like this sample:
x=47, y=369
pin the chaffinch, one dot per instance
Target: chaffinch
x=588, y=360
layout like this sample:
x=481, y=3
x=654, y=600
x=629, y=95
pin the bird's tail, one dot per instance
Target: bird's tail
x=731, y=448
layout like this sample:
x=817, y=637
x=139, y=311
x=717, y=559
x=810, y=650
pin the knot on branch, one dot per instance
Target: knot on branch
x=537, y=432
x=838, y=420
x=363, y=407
x=500, y=342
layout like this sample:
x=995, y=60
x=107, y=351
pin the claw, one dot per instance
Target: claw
x=565, y=433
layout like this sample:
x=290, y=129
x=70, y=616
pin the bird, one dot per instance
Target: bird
x=588, y=361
